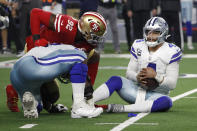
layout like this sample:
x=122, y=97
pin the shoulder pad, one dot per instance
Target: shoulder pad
x=171, y=53
x=136, y=44
x=138, y=40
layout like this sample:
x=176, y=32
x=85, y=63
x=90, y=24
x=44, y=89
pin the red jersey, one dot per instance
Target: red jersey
x=65, y=32
x=65, y=29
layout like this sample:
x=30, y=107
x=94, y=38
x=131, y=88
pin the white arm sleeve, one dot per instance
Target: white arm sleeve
x=132, y=68
x=170, y=79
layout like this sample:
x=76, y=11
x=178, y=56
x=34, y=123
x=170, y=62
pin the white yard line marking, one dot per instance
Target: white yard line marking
x=10, y=63
x=184, y=94
x=141, y=115
x=149, y=124
x=28, y=125
x=106, y=123
x=127, y=56
x=190, y=97
x=7, y=64
x=188, y=76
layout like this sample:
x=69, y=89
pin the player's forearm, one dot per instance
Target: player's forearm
x=131, y=75
x=38, y=17
x=171, y=77
x=131, y=72
x=93, y=63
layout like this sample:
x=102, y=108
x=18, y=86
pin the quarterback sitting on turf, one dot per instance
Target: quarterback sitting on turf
x=151, y=73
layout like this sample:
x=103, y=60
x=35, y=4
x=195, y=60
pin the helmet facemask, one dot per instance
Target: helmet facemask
x=155, y=25
x=95, y=39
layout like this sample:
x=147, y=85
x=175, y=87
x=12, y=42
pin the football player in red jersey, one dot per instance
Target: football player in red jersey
x=85, y=33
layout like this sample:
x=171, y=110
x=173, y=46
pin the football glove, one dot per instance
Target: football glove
x=41, y=42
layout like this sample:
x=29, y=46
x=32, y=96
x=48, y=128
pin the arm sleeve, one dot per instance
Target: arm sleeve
x=132, y=68
x=38, y=17
x=170, y=79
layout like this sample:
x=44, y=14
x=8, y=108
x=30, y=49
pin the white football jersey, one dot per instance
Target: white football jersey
x=164, y=61
x=166, y=54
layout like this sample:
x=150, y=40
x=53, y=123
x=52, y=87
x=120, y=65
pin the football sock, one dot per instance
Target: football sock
x=92, y=71
x=101, y=93
x=78, y=76
x=139, y=107
x=105, y=90
x=189, y=28
x=78, y=92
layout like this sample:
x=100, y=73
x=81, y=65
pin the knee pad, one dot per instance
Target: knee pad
x=114, y=84
x=78, y=73
x=162, y=104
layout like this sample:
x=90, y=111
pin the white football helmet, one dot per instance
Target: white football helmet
x=156, y=24
x=93, y=27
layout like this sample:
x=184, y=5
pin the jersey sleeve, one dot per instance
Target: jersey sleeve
x=38, y=17
x=171, y=54
x=170, y=79
x=177, y=55
x=64, y=23
x=131, y=72
x=132, y=68
x=133, y=50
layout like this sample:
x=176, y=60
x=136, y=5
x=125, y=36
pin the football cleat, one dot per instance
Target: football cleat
x=190, y=46
x=115, y=108
x=90, y=102
x=12, y=99
x=58, y=108
x=83, y=110
x=29, y=105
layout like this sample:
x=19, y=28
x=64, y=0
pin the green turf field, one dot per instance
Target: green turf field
x=181, y=117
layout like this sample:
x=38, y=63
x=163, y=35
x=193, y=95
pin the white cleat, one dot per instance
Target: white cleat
x=190, y=47
x=90, y=102
x=83, y=110
x=29, y=105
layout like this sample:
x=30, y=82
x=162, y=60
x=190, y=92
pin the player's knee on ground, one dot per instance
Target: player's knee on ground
x=162, y=104
x=78, y=73
x=114, y=84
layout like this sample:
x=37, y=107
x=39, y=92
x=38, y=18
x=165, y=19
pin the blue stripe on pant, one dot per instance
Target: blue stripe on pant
x=28, y=75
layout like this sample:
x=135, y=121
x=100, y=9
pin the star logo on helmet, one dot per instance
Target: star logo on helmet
x=95, y=27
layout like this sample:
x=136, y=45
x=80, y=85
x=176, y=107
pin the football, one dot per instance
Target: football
x=151, y=84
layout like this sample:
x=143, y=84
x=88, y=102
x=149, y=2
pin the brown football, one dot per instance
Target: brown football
x=151, y=84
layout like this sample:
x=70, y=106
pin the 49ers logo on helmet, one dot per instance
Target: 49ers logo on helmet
x=94, y=26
